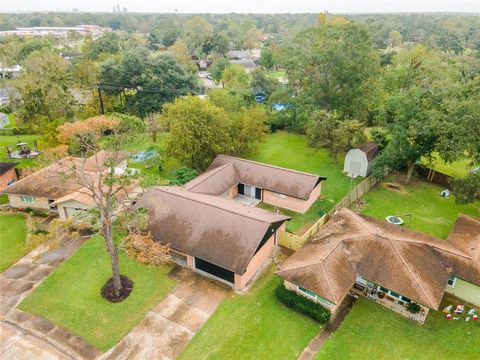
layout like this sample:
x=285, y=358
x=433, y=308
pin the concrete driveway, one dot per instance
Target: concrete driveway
x=168, y=327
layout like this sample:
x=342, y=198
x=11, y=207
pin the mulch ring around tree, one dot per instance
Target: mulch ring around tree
x=108, y=291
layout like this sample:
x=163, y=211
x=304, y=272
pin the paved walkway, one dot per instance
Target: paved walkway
x=26, y=336
x=318, y=341
x=167, y=328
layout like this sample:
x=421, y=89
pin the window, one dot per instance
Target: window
x=27, y=199
x=382, y=289
x=394, y=294
x=279, y=195
x=315, y=296
x=452, y=280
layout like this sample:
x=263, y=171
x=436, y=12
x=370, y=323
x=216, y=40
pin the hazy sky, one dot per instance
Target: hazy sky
x=246, y=6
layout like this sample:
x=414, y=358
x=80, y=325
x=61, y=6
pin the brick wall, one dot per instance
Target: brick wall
x=292, y=203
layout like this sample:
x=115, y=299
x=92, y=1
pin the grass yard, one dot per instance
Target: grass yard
x=371, y=331
x=144, y=142
x=456, y=169
x=13, y=232
x=70, y=296
x=291, y=151
x=12, y=140
x=253, y=326
x=431, y=213
x=277, y=73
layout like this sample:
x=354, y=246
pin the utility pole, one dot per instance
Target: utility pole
x=102, y=110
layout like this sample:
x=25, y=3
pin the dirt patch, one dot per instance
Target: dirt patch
x=394, y=186
x=108, y=291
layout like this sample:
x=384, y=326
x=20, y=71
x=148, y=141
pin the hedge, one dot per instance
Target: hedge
x=302, y=304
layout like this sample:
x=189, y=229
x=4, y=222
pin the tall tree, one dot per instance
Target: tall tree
x=104, y=186
x=333, y=65
x=44, y=88
x=154, y=78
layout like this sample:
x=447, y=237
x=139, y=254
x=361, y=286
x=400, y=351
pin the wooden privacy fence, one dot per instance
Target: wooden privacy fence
x=434, y=176
x=295, y=242
x=356, y=193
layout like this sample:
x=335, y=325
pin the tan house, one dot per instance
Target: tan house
x=386, y=263
x=229, y=177
x=8, y=173
x=48, y=189
x=215, y=236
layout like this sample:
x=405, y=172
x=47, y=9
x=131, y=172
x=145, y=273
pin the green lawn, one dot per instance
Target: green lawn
x=371, y=331
x=291, y=151
x=253, y=326
x=431, y=213
x=13, y=232
x=12, y=140
x=456, y=169
x=277, y=73
x=154, y=177
x=70, y=296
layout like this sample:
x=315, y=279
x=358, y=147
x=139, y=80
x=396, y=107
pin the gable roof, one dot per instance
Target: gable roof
x=227, y=171
x=49, y=182
x=370, y=149
x=218, y=230
x=350, y=245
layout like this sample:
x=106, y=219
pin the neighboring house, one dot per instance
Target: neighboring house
x=48, y=189
x=386, y=263
x=214, y=236
x=10, y=72
x=8, y=173
x=248, y=64
x=4, y=121
x=359, y=161
x=230, y=176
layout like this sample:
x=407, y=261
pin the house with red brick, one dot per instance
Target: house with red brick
x=8, y=173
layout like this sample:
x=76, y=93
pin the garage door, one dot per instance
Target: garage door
x=214, y=270
x=71, y=211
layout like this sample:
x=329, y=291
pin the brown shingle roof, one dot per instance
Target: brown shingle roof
x=226, y=171
x=410, y=263
x=370, y=149
x=50, y=182
x=218, y=230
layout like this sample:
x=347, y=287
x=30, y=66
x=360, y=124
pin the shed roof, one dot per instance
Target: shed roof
x=370, y=149
x=410, y=263
x=218, y=230
x=227, y=171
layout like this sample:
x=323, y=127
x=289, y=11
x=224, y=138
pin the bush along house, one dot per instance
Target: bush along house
x=404, y=270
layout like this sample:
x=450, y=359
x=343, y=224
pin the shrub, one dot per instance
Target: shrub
x=302, y=304
x=39, y=232
x=28, y=210
x=413, y=308
x=183, y=175
x=6, y=109
x=38, y=212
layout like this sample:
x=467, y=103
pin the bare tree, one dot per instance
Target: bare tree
x=98, y=177
x=153, y=125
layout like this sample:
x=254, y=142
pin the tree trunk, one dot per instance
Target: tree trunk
x=411, y=167
x=154, y=136
x=112, y=250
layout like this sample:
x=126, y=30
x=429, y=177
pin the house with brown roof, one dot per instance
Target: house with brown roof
x=49, y=189
x=214, y=236
x=229, y=176
x=386, y=263
x=360, y=161
x=212, y=224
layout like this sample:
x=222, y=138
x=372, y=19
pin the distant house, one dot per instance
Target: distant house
x=8, y=173
x=212, y=224
x=10, y=72
x=386, y=263
x=4, y=121
x=359, y=161
x=248, y=64
x=47, y=189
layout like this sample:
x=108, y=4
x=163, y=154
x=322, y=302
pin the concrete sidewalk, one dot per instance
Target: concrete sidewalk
x=167, y=328
x=318, y=341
